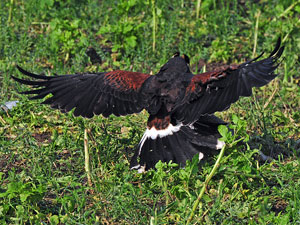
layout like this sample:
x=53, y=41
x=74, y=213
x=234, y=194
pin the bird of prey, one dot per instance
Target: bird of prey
x=181, y=105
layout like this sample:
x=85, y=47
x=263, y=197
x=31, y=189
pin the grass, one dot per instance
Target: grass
x=42, y=173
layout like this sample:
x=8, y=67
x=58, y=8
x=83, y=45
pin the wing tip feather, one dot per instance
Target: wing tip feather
x=36, y=76
x=276, y=49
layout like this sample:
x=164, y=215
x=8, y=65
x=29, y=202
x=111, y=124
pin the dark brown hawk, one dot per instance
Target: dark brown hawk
x=181, y=105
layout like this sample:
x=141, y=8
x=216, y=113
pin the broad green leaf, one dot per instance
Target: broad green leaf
x=223, y=130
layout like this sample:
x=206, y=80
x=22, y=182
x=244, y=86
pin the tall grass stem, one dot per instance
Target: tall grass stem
x=207, y=179
x=154, y=25
x=198, y=8
x=87, y=157
x=11, y=5
x=255, y=33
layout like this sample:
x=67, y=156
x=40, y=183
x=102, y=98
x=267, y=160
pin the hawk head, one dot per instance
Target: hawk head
x=177, y=64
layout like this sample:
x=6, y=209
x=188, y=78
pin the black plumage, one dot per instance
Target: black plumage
x=181, y=105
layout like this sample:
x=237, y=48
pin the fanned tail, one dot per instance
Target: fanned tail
x=179, y=144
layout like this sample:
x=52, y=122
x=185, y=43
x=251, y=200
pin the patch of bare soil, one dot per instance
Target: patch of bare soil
x=42, y=137
x=279, y=206
x=211, y=66
x=8, y=163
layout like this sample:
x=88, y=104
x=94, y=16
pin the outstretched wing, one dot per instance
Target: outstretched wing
x=216, y=91
x=117, y=92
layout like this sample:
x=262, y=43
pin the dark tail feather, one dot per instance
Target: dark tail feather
x=179, y=146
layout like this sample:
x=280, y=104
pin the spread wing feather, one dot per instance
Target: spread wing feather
x=216, y=91
x=117, y=92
